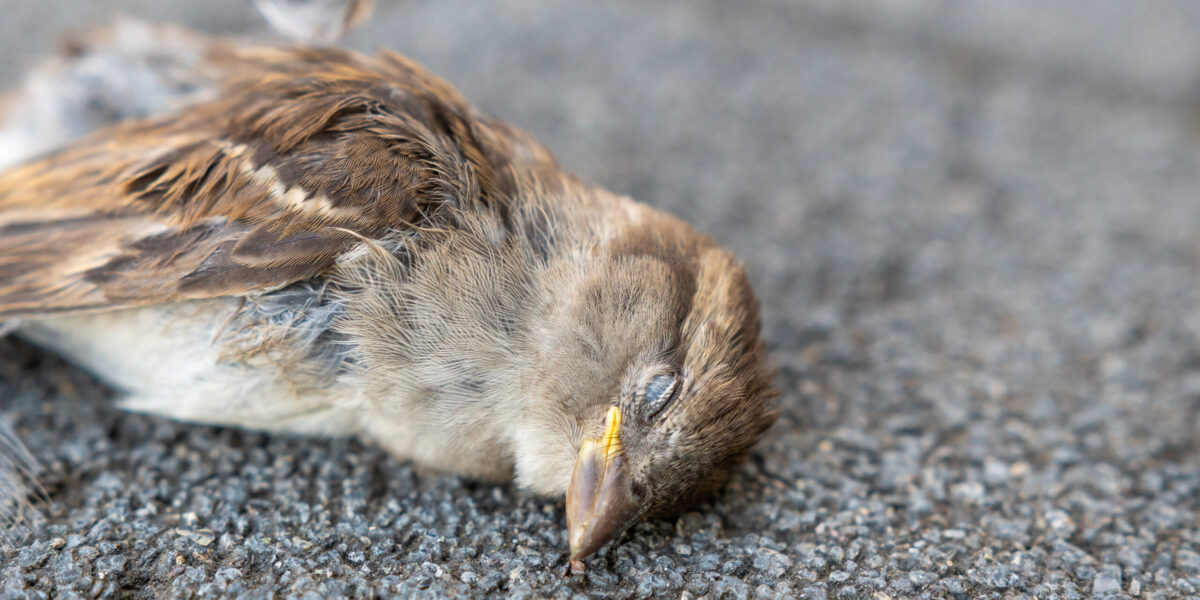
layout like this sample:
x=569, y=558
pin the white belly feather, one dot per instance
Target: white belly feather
x=168, y=362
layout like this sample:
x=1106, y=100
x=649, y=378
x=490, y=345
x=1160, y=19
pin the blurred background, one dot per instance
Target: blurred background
x=972, y=226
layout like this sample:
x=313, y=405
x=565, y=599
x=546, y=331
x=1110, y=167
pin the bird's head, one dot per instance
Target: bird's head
x=663, y=352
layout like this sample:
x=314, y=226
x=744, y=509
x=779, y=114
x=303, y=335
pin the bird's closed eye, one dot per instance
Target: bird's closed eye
x=659, y=394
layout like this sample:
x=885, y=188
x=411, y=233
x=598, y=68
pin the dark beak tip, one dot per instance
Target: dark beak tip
x=599, y=506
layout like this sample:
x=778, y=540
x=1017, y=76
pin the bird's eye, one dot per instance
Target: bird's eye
x=659, y=394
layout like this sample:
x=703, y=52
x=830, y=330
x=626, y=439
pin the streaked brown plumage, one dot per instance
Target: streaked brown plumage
x=340, y=244
x=300, y=145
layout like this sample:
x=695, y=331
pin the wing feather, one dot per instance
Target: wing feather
x=301, y=152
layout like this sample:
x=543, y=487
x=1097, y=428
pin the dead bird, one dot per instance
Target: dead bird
x=335, y=244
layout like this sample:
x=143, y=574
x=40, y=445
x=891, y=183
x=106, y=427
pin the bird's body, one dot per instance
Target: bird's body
x=337, y=244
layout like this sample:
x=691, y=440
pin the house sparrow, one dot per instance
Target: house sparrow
x=336, y=244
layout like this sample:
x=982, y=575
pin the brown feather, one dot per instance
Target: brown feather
x=259, y=188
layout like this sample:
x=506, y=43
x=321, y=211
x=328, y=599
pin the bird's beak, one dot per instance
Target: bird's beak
x=599, y=502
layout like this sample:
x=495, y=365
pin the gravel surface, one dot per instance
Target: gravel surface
x=972, y=226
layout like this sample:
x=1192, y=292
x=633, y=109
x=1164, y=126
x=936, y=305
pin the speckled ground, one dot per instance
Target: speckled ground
x=972, y=225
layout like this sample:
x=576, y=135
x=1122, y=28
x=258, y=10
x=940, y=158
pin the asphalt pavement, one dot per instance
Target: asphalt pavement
x=972, y=226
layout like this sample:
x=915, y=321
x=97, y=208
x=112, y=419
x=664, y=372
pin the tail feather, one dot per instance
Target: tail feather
x=315, y=21
x=20, y=492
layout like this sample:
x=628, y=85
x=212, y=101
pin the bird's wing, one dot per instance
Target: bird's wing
x=302, y=152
